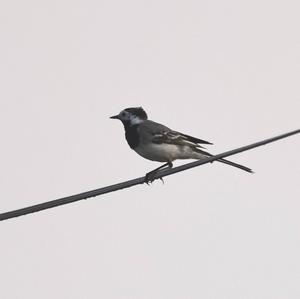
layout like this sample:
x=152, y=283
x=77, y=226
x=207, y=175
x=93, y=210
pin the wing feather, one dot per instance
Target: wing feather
x=177, y=138
x=195, y=140
x=161, y=134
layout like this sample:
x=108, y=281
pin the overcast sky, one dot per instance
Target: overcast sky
x=224, y=71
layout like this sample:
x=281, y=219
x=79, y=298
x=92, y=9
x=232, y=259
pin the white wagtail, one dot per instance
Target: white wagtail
x=157, y=142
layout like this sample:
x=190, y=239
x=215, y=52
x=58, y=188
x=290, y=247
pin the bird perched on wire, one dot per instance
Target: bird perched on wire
x=157, y=142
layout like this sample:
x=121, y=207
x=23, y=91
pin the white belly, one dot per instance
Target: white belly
x=167, y=152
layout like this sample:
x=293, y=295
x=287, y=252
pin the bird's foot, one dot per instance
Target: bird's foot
x=150, y=177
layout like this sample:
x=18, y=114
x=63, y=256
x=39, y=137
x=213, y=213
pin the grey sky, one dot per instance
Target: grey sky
x=224, y=71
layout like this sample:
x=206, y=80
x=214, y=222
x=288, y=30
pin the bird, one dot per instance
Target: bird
x=156, y=142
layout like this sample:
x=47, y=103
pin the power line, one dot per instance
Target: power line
x=137, y=181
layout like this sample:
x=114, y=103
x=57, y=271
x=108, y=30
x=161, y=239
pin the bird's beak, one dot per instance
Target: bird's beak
x=115, y=117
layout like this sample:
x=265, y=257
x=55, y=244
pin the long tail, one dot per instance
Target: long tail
x=203, y=153
x=236, y=165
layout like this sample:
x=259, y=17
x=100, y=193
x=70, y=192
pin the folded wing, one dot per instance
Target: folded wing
x=173, y=137
x=159, y=134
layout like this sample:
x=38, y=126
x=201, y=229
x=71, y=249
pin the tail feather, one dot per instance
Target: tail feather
x=202, y=154
x=236, y=165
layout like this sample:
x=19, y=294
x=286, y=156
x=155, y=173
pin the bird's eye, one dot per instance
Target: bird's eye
x=123, y=114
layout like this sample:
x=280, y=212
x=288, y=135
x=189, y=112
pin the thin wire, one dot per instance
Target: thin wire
x=137, y=181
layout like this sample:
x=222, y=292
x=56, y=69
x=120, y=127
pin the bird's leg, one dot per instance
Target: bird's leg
x=149, y=178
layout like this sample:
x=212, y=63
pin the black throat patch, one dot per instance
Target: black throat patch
x=132, y=135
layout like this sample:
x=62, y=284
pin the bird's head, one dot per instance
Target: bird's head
x=131, y=116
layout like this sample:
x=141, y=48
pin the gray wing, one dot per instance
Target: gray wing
x=159, y=134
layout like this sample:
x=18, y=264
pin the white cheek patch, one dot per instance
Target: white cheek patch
x=135, y=120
